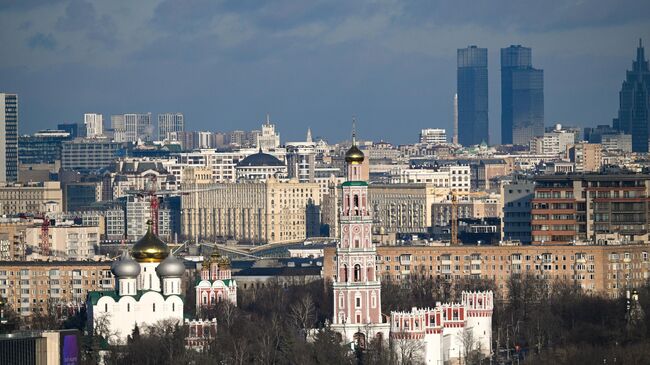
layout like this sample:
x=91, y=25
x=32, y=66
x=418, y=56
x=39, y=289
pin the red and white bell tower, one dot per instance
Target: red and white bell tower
x=357, y=290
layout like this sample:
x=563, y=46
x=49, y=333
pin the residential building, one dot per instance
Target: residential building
x=259, y=211
x=472, y=91
x=170, y=122
x=467, y=207
x=433, y=136
x=633, y=116
x=401, y=208
x=81, y=195
x=66, y=240
x=88, y=155
x=453, y=177
x=94, y=124
x=13, y=244
x=522, y=96
x=598, y=269
x=587, y=157
x=590, y=207
x=553, y=143
x=131, y=127
x=138, y=212
x=517, y=196
x=8, y=137
x=51, y=286
x=30, y=198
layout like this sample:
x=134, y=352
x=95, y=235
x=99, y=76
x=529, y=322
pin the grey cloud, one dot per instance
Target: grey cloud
x=22, y=5
x=40, y=40
x=81, y=16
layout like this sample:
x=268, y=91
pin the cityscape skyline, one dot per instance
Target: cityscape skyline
x=385, y=80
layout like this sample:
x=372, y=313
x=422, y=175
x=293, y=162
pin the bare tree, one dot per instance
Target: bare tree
x=471, y=347
x=409, y=351
x=303, y=313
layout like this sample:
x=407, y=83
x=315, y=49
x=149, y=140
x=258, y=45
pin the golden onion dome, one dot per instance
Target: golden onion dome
x=150, y=248
x=354, y=155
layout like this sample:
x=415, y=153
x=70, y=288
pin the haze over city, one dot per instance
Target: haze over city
x=226, y=64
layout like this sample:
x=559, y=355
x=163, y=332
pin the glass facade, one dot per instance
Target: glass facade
x=522, y=97
x=9, y=132
x=634, y=98
x=472, y=90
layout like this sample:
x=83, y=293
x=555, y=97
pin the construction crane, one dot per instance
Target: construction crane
x=453, y=197
x=45, y=236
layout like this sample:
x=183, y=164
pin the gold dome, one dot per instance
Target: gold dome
x=150, y=248
x=222, y=262
x=354, y=155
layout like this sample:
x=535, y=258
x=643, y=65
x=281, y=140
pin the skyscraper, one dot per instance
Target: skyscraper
x=522, y=97
x=634, y=99
x=8, y=137
x=472, y=90
x=170, y=122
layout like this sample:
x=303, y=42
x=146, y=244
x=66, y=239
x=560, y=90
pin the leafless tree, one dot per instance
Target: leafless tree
x=303, y=313
x=408, y=351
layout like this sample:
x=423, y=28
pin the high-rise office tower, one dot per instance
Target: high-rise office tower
x=8, y=137
x=472, y=90
x=94, y=125
x=633, y=114
x=522, y=97
x=170, y=122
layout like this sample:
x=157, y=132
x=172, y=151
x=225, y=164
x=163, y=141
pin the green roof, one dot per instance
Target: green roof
x=355, y=183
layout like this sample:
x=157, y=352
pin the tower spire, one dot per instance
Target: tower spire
x=354, y=131
x=268, y=119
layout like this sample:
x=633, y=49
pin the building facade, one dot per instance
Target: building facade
x=517, y=196
x=472, y=91
x=590, y=207
x=33, y=198
x=88, y=155
x=41, y=147
x=94, y=124
x=8, y=137
x=522, y=97
x=599, y=269
x=433, y=136
x=259, y=212
x=168, y=123
x=216, y=283
x=51, y=286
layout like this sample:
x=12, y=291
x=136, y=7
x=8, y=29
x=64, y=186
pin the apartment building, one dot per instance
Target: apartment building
x=34, y=198
x=30, y=286
x=598, y=269
x=13, y=238
x=590, y=207
x=88, y=154
x=258, y=212
x=454, y=177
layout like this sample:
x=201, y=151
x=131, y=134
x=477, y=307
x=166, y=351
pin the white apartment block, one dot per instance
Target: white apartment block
x=94, y=125
x=433, y=136
x=168, y=123
x=453, y=177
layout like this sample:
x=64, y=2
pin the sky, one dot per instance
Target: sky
x=225, y=64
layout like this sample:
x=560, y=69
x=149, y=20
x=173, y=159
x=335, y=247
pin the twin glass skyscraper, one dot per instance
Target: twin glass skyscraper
x=522, y=96
x=472, y=90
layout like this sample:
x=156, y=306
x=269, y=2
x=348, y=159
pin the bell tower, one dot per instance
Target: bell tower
x=357, y=291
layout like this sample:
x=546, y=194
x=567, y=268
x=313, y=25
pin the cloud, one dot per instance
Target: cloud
x=40, y=40
x=81, y=16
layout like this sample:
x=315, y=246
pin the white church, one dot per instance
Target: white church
x=148, y=289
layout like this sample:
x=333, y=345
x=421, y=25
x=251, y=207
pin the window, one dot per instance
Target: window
x=154, y=307
x=357, y=302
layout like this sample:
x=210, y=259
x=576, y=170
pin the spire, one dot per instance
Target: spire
x=640, y=64
x=354, y=131
x=268, y=119
x=309, y=139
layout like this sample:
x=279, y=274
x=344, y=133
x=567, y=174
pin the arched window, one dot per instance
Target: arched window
x=369, y=274
x=105, y=307
x=356, y=204
x=128, y=307
x=154, y=307
x=357, y=272
x=173, y=307
x=345, y=273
